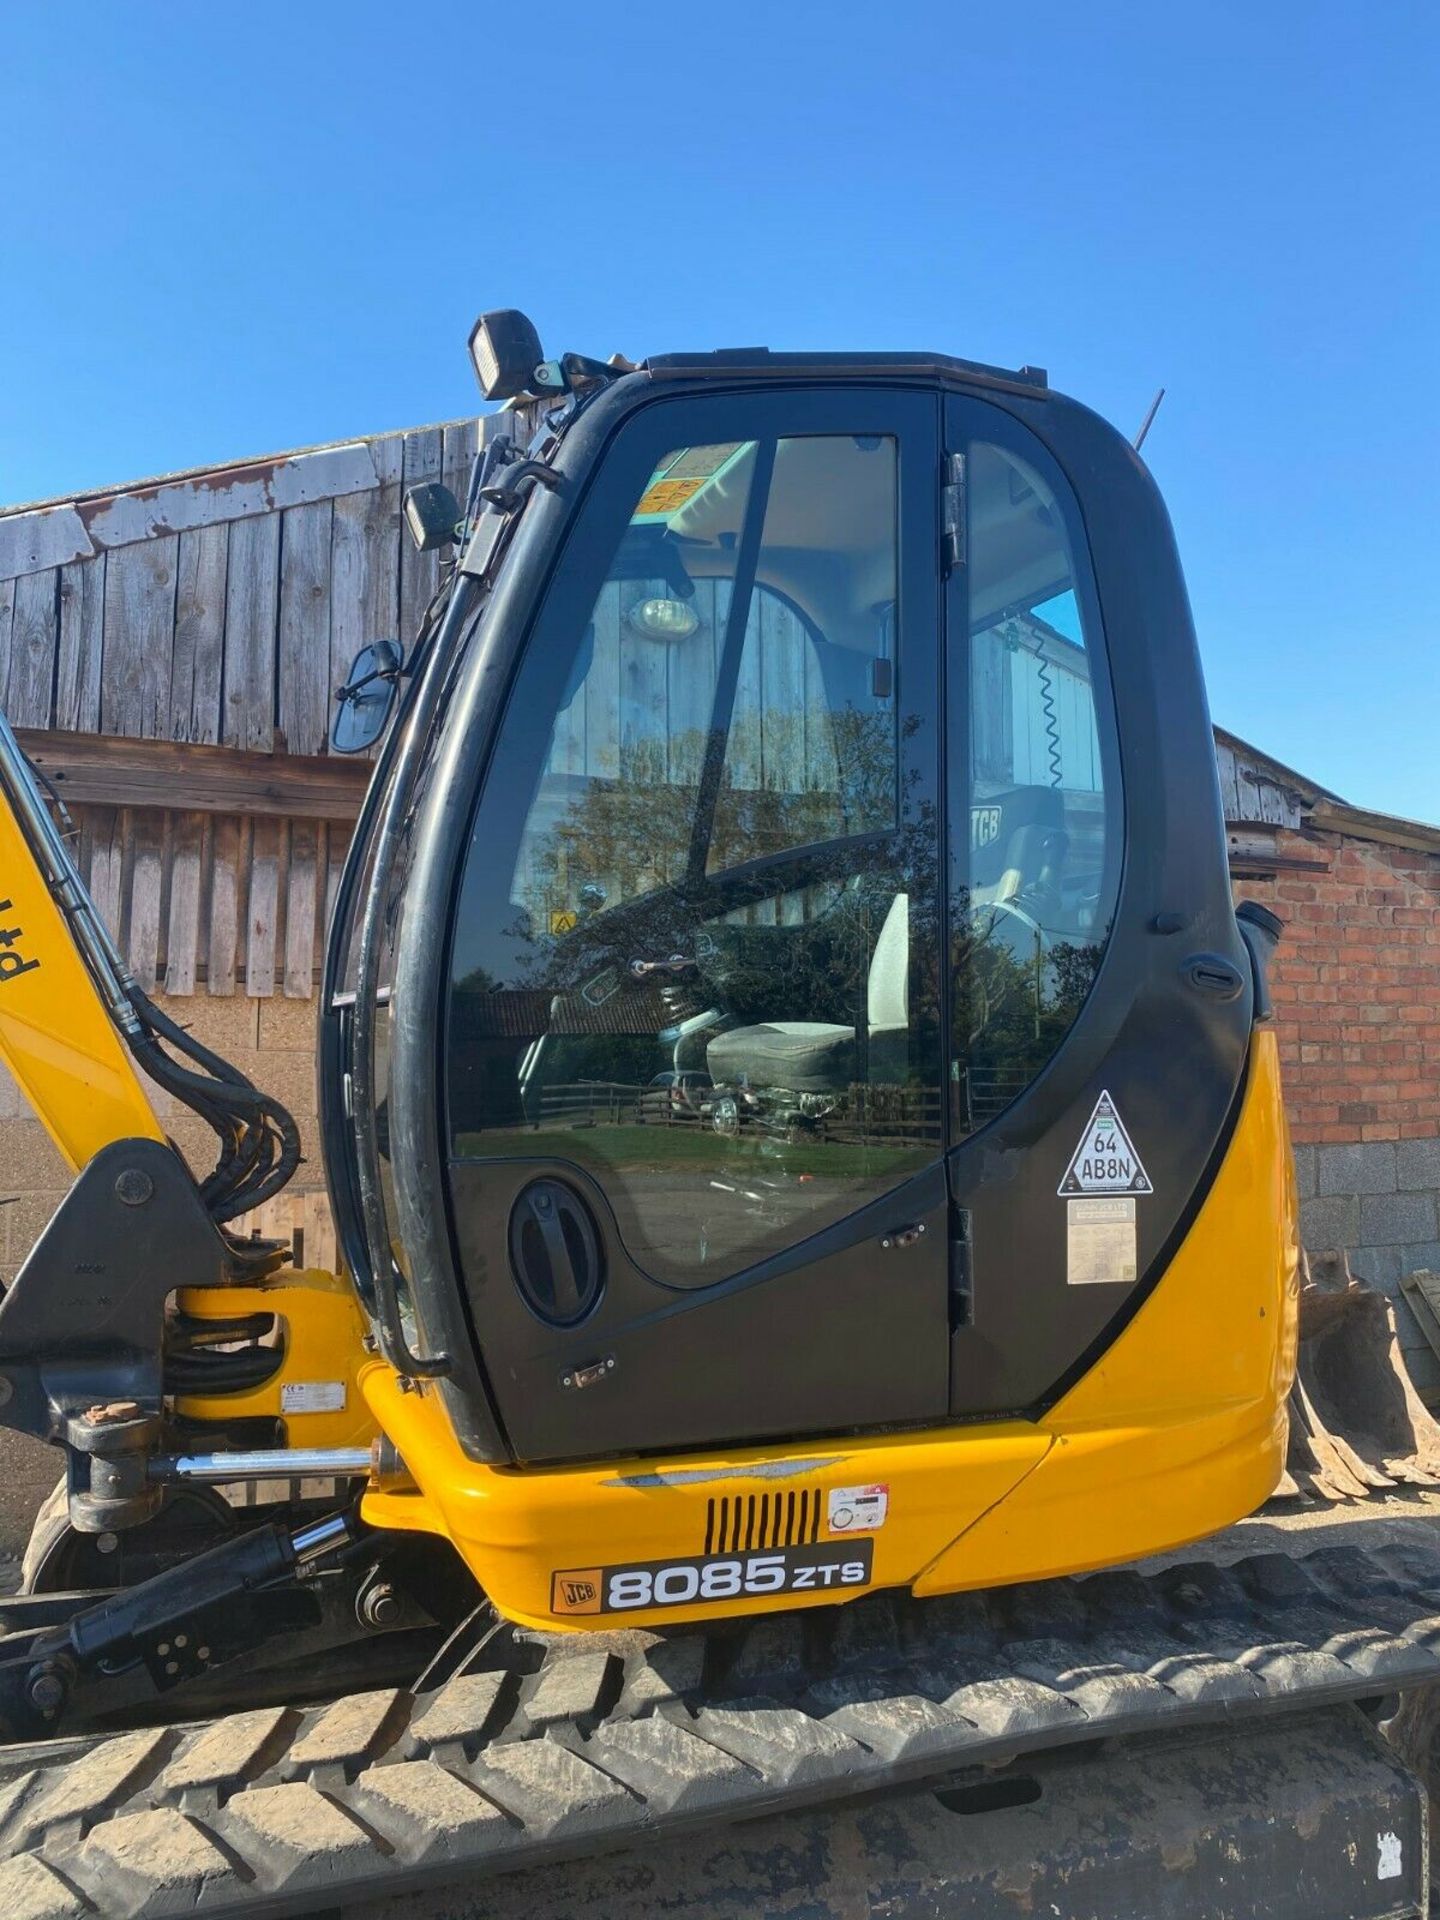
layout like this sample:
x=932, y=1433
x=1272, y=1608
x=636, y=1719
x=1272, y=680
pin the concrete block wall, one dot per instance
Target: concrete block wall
x=1379, y=1200
x=271, y=1040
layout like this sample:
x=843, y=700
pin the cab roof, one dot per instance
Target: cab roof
x=726, y=362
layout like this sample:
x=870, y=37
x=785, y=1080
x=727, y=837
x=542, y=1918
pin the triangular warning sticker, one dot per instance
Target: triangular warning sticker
x=1105, y=1161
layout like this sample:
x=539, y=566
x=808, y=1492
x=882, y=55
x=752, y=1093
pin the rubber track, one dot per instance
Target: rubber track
x=612, y=1740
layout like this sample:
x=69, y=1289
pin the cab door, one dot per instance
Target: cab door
x=693, y=1050
x=1100, y=996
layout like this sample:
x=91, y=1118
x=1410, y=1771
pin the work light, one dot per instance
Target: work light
x=505, y=349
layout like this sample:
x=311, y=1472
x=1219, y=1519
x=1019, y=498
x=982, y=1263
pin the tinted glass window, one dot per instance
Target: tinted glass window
x=687, y=933
x=1044, y=825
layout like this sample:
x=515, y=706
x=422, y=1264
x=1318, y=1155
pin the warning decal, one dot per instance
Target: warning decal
x=682, y=474
x=857, y=1509
x=1105, y=1161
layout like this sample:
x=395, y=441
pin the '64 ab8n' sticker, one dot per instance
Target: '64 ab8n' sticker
x=683, y=1583
x=1105, y=1160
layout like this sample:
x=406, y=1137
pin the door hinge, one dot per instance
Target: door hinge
x=952, y=512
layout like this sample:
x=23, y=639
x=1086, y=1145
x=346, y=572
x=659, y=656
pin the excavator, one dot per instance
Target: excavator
x=802, y=1122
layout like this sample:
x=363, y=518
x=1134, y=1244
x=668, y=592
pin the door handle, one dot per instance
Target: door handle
x=677, y=964
x=1212, y=973
x=903, y=1236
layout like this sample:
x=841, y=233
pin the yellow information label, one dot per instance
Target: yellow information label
x=681, y=476
x=668, y=496
x=563, y=920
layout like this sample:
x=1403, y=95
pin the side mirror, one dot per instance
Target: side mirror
x=367, y=697
x=432, y=515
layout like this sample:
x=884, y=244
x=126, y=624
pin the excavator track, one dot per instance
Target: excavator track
x=585, y=1744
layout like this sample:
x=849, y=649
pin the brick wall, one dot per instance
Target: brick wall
x=1357, y=999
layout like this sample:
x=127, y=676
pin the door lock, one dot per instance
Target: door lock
x=903, y=1236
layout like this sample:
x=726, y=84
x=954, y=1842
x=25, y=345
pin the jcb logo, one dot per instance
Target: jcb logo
x=984, y=826
x=576, y=1590
x=12, y=962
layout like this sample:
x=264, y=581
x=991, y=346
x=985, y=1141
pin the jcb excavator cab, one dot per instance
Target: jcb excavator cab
x=797, y=1105
x=819, y=742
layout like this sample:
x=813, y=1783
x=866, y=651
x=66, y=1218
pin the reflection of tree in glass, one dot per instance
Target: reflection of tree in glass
x=1015, y=1007
x=633, y=833
x=818, y=921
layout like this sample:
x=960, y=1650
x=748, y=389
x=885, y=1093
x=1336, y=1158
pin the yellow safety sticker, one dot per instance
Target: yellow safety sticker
x=682, y=475
x=667, y=496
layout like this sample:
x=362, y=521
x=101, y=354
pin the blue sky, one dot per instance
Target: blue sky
x=229, y=229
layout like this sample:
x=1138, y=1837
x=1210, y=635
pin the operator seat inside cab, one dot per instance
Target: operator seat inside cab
x=818, y=1056
x=1018, y=850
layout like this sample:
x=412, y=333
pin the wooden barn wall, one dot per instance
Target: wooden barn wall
x=1254, y=791
x=221, y=901
x=221, y=615
x=146, y=632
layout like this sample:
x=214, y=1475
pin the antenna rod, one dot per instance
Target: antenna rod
x=1148, y=421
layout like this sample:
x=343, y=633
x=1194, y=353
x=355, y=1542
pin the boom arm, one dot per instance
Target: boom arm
x=57, y=1035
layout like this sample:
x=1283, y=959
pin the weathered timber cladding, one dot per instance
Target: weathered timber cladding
x=198, y=651
x=81, y=645
x=1255, y=791
x=137, y=640
x=212, y=902
x=252, y=592
x=222, y=605
x=170, y=653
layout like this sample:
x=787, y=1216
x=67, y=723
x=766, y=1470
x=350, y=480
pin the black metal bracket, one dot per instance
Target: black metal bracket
x=213, y=1608
x=516, y=482
x=82, y=1327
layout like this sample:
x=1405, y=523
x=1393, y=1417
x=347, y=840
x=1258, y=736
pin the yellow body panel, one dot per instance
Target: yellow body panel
x=1180, y=1427
x=1175, y=1432
x=55, y=1035
x=322, y=1331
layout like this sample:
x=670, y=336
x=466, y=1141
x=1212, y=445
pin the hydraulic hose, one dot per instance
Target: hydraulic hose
x=259, y=1141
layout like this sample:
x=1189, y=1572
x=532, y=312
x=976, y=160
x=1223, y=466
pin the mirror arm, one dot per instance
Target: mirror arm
x=353, y=688
x=516, y=483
